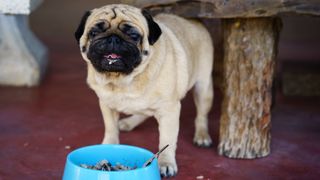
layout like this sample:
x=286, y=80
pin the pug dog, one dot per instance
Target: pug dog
x=143, y=66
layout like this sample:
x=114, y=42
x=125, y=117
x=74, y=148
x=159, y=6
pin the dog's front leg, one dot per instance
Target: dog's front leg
x=168, y=120
x=110, y=118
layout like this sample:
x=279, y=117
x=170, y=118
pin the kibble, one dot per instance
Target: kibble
x=200, y=177
x=105, y=165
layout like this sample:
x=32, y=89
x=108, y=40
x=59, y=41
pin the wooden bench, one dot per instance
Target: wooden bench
x=250, y=34
x=23, y=58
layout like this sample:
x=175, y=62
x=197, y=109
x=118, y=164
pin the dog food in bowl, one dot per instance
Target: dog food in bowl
x=105, y=165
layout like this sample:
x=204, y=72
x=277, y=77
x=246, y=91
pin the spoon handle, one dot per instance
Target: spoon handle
x=154, y=156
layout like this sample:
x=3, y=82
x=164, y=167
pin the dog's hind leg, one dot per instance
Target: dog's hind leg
x=129, y=123
x=203, y=97
x=203, y=92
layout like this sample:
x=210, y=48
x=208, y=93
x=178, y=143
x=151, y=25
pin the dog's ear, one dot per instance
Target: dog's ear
x=154, y=29
x=81, y=26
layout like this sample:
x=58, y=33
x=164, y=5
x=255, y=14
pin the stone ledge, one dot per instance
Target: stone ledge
x=18, y=6
x=23, y=58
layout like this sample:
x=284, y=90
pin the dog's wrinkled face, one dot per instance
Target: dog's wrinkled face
x=114, y=38
x=114, y=50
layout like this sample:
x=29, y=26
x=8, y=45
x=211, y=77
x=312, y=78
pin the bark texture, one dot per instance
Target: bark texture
x=231, y=8
x=250, y=47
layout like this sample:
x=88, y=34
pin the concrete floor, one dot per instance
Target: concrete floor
x=39, y=126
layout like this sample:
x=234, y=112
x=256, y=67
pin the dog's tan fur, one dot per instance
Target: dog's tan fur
x=182, y=58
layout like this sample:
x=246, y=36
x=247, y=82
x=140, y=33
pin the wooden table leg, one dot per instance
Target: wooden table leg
x=250, y=47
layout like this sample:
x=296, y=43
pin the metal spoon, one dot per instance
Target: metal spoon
x=149, y=161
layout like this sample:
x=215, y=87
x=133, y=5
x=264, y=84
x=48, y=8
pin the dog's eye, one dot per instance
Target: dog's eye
x=134, y=36
x=130, y=31
x=93, y=33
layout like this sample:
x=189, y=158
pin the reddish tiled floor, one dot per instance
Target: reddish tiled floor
x=38, y=124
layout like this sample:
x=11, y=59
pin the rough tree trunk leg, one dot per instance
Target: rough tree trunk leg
x=250, y=47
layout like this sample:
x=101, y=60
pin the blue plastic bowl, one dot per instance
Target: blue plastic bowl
x=123, y=154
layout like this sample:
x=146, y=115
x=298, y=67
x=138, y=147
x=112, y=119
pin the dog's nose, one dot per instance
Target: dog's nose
x=113, y=40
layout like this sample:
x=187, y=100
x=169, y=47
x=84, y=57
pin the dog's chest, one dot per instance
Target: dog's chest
x=126, y=101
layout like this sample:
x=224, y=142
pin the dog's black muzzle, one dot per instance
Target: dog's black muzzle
x=114, y=54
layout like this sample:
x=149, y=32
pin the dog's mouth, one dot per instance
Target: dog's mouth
x=112, y=58
x=119, y=56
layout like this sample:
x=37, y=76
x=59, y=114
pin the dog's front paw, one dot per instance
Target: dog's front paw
x=108, y=140
x=168, y=169
x=202, y=139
